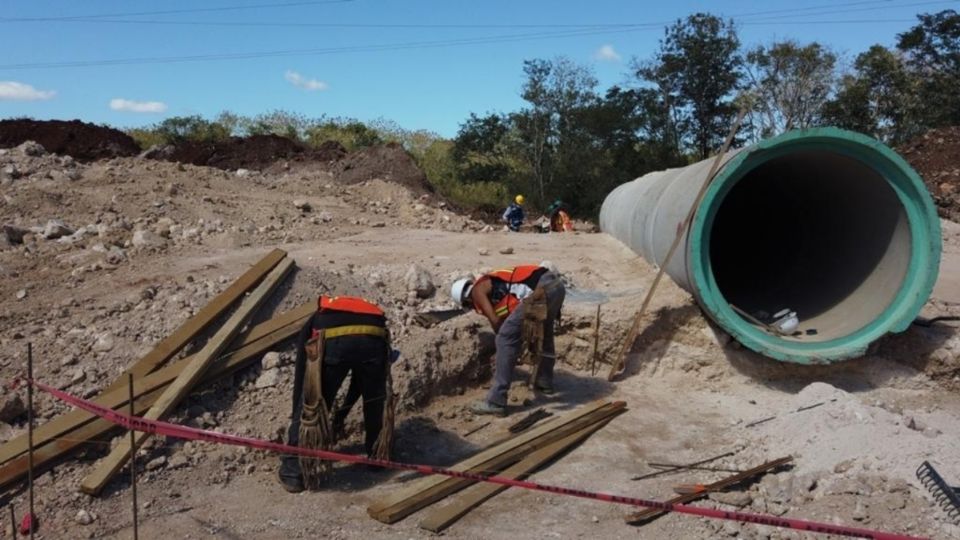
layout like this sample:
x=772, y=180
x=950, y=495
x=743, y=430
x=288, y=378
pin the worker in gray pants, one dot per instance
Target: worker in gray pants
x=499, y=296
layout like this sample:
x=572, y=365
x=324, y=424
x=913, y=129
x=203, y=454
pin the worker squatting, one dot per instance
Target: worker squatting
x=349, y=336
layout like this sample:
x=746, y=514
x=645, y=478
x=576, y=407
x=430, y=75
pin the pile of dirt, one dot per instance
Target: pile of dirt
x=82, y=141
x=936, y=156
x=388, y=162
x=254, y=152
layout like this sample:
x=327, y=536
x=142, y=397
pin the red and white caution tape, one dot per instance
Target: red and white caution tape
x=194, y=434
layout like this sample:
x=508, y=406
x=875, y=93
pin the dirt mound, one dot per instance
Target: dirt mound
x=936, y=156
x=82, y=141
x=254, y=152
x=387, y=162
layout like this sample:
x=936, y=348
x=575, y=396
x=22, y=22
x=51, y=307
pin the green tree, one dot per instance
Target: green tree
x=352, y=134
x=791, y=83
x=177, y=129
x=287, y=124
x=697, y=69
x=479, y=151
x=878, y=98
x=547, y=128
x=931, y=50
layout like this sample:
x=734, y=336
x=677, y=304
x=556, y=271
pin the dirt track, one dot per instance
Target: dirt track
x=690, y=393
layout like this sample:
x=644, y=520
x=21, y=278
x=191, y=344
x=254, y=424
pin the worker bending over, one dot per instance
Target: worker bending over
x=504, y=297
x=346, y=335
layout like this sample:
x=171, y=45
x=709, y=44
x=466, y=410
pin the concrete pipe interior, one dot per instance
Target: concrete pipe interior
x=815, y=232
x=828, y=223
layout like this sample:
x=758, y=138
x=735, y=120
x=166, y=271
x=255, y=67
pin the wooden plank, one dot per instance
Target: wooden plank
x=47, y=455
x=65, y=442
x=446, y=486
x=188, y=377
x=441, y=518
x=477, y=459
x=650, y=513
x=256, y=341
x=186, y=332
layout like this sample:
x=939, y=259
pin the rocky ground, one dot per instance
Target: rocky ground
x=100, y=260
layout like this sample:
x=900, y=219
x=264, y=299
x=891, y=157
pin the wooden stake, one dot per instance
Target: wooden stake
x=188, y=378
x=596, y=344
x=13, y=522
x=33, y=517
x=620, y=363
x=133, y=459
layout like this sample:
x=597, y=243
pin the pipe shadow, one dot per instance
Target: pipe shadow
x=889, y=358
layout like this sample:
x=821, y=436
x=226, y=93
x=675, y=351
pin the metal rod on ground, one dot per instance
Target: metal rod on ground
x=133, y=461
x=620, y=362
x=691, y=468
x=596, y=344
x=13, y=522
x=32, y=517
x=476, y=429
x=801, y=409
x=680, y=467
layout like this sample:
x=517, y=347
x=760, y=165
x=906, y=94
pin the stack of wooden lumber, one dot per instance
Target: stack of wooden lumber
x=157, y=387
x=516, y=457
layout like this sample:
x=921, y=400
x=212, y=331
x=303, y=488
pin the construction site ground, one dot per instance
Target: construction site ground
x=150, y=242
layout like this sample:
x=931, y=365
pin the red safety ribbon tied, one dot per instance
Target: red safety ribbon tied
x=195, y=434
x=29, y=522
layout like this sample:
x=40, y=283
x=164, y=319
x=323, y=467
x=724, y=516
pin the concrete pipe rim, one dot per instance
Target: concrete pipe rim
x=921, y=272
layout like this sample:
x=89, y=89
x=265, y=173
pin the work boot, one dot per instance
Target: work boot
x=293, y=484
x=545, y=388
x=485, y=407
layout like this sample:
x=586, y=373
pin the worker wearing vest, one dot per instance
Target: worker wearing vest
x=498, y=296
x=355, y=342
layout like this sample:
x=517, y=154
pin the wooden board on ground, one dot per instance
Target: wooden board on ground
x=186, y=332
x=256, y=341
x=188, y=377
x=84, y=427
x=650, y=513
x=441, y=518
x=429, y=490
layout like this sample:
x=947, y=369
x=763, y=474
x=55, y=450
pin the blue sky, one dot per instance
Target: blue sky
x=432, y=81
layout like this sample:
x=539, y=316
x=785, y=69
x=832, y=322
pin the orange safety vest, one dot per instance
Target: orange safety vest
x=350, y=304
x=518, y=274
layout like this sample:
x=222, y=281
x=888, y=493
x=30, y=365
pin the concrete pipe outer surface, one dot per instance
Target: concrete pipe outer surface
x=828, y=223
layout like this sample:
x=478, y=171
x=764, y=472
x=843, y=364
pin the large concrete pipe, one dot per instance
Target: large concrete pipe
x=827, y=223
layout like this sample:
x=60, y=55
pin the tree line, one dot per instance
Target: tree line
x=575, y=142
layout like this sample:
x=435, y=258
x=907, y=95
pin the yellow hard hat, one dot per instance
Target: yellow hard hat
x=519, y=199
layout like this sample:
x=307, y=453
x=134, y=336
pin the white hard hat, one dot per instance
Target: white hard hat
x=460, y=289
x=552, y=268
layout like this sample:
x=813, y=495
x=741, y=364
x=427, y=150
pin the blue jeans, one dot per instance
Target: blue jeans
x=510, y=343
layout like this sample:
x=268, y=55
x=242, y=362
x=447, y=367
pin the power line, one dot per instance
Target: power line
x=508, y=38
x=831, y=9
x=316, y=51
x=190, y=10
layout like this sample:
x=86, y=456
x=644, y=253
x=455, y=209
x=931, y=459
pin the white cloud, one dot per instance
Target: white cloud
x=129, y=105
x=607, y=53
x=300, y=81
x=18, y=91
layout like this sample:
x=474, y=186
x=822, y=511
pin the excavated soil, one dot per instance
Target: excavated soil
x=254, y=152
x=389, y=162
x=80, y=140
x=936, y=156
